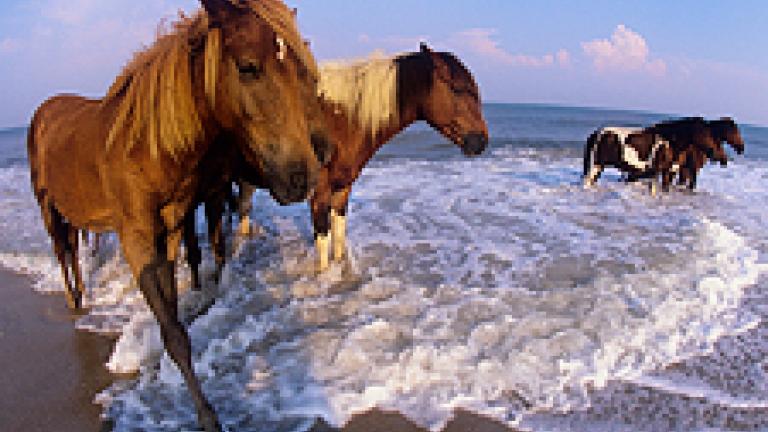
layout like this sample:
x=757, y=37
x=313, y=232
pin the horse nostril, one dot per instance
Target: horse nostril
x=323, y=147
x=298, y=181
x=474, y=144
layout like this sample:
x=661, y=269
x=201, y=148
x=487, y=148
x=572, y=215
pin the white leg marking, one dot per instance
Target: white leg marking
x=593, y=172
x=339, y=232
x=654, y=187
x=245, y=226
x=321, y=248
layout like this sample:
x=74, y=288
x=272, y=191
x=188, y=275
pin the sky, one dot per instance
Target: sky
x=684, y=57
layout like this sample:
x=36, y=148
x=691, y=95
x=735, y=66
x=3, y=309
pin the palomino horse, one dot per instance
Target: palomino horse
x=232, y=80
x=367, y=103
x=691, y=161
x=647, y=152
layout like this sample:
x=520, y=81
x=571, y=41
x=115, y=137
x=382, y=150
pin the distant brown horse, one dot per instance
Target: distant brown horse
x=233, y=82
x=650, y=152
x=691, y=161
x=367, y=103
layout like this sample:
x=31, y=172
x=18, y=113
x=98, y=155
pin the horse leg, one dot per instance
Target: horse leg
x=193, y=249
x=245, y=205
x=339, y=203
x=75, y=264
x=320, y=206
x=59, y=231
x=144, y=253
x=214, y=212
x=692, y=172
x=593, y=175
x=96, y=244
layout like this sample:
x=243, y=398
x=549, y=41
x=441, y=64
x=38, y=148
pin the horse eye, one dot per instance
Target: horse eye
x=250, y=69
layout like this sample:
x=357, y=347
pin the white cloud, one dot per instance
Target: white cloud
x=624, y=51
x=481, y=41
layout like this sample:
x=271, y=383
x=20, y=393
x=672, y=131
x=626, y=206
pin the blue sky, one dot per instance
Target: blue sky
x=685, y=57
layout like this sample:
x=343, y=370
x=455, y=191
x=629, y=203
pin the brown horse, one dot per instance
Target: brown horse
x=693, y=160
x=651, y=152
x=367, y=103
x=232, y=80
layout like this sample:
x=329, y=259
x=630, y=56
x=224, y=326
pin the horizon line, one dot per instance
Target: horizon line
x=548, y=105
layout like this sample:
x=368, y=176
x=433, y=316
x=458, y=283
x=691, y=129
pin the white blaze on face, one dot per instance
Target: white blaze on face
x=281, y=48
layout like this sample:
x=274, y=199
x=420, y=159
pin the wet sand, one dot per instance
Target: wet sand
x=49, y=372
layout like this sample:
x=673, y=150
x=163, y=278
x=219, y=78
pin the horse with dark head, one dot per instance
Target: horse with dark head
x=234, y=79
x=366, y=103
x=635, y=151
x=692, y=160
x=654, y=151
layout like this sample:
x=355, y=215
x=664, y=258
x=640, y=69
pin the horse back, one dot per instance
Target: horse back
x=66, y=148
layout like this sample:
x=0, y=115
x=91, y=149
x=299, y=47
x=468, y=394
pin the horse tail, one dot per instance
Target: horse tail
x=589, y=152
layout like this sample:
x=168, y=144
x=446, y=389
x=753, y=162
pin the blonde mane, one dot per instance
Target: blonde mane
x=366, y=89
x=154, y=93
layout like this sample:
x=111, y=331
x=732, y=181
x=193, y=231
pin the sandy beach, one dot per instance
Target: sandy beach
x=49, y=371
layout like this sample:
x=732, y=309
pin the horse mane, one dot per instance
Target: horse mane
x=282, y=19
x=366, y=89
x=154, y=93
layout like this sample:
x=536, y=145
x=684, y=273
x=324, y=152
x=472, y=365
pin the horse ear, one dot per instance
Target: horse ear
x=424, y=48
x=218, y=9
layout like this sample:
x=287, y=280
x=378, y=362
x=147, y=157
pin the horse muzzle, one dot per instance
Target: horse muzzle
x=293, y=185
x=474, y=143
x=323, y=147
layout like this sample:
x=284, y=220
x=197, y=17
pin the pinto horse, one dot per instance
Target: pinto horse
x=632, y=150
x=649, y=152
x=365, y=104
x=230, y=82
x=691, y=161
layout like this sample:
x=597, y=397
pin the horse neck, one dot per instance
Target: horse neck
x=413, y=83
x=404, y=119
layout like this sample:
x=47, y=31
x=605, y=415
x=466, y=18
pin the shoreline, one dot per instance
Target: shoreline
x=50, y=371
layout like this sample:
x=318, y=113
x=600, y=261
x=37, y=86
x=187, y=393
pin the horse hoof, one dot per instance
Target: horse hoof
x=212, y=426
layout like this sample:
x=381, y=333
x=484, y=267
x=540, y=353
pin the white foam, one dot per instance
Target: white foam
x=493, y=284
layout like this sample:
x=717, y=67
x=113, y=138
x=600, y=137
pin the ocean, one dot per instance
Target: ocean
x=495, y=284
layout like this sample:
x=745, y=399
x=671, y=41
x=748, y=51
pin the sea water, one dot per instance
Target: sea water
x=495, y=284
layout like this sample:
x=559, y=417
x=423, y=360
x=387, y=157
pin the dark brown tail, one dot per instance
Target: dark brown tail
x=588, y=152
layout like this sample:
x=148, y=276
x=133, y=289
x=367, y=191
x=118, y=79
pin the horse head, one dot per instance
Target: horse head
x=725, y=129
x=712, y=147
x=451, y=104
x=262, y=89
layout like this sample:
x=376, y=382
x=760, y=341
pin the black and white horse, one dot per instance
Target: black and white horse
x=638, y=152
